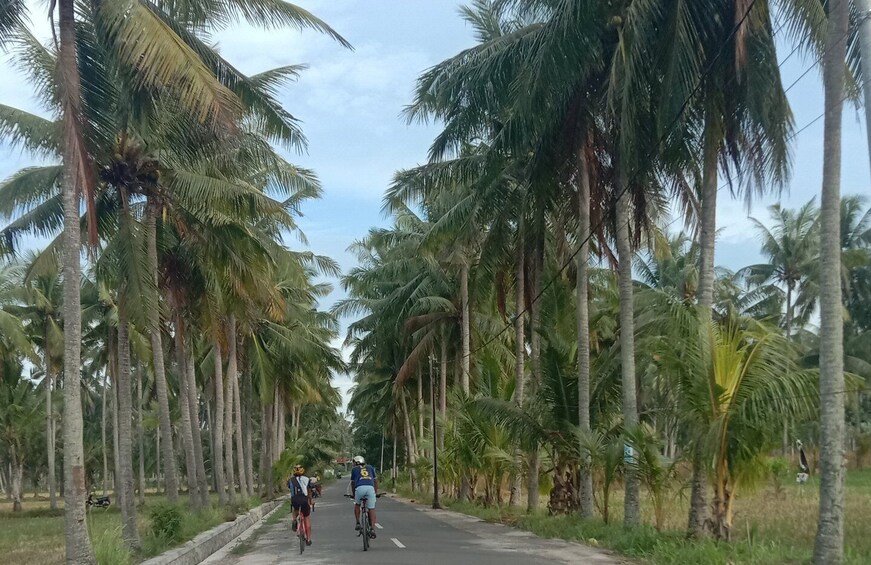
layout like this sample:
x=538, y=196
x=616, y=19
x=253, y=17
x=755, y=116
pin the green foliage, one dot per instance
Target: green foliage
x=109, y=548
x=778, y=472
x=165, y=522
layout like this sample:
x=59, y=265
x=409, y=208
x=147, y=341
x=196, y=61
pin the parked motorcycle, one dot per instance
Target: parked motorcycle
x=99, y=502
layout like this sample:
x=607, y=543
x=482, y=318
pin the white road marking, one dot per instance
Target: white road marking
x=379, y=526
x=397, y=543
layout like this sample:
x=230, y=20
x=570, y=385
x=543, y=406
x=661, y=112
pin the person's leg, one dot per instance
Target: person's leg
x=370, y=508
x=357, y=509
x=308, y=524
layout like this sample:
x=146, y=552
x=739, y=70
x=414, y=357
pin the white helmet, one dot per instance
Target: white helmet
x=358, y=460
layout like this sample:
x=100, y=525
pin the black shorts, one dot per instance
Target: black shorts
x=301, y=503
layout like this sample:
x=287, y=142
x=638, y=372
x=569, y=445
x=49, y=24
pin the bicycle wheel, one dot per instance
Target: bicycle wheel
x=301, y=535
x=365, y=528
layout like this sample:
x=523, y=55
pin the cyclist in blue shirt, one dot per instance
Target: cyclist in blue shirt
x=364, y=483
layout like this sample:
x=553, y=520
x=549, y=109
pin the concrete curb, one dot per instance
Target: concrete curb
x=205, y=544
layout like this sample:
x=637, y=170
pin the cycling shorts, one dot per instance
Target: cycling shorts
x=301, y=504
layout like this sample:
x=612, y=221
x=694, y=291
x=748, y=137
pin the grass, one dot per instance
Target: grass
x=276, y=517
x=768, y=529
x=35, y=536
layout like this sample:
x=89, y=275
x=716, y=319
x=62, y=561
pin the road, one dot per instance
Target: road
x=407, y=534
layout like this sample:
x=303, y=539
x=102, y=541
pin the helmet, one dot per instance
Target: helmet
x=298, y=469
x=358, y=460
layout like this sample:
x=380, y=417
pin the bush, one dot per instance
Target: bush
x=778, y=470
x=166, y=521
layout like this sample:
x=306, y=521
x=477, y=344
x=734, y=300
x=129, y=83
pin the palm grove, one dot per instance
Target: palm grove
x=536, y=285
x=189, y=350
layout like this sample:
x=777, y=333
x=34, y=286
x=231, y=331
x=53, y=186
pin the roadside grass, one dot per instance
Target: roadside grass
x=276, y=517
x=768, y=528
x=35, y=535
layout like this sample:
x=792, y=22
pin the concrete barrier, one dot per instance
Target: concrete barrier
x=205, y=544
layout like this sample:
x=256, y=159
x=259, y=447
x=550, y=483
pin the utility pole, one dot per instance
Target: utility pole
x=864, y=8
x=381, y=466
x=435, y=444
x=393, y=473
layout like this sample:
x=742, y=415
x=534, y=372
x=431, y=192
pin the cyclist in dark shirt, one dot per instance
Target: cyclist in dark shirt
x=364, y=483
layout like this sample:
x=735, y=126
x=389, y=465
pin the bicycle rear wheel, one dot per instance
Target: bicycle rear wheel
x=366, y=526
x=301, y=534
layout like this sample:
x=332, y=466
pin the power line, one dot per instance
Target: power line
x=823, y=113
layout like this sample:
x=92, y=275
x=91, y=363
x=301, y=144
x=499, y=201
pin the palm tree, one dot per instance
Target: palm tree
x=829, y=545
x=734, y=379
x=791, y=249
x=77, y=180
x=19, y=424
x=43, y=293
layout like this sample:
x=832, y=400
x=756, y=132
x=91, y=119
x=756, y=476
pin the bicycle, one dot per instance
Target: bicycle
x=365, y=526
x=303, y=530
x=300, y=533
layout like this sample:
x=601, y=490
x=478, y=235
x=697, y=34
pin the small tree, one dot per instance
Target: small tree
x=655, y=471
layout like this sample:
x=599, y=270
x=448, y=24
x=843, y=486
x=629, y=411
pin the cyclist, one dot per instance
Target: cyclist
x=364, y=483
x=316, y=486
x=301, y=500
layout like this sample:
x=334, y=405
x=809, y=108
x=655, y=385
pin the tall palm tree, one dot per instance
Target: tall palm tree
x=791, y=247
x=77, y=180
x=35, y=300
x=829, y=544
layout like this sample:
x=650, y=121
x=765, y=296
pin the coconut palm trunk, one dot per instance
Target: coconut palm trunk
x=218, y=450
x=631, y=504
x=126, y=488
x=829, y=545
x=249, y=435
x=228, y=437
x=421, y=406
x=535, y=363
x=77, y=543
x=465, y=360
x=103, y=424
x=193, y=401
x=140, y=432
x=519, y=357
x=707, y=244
x=16, y=472
x=187, y=437
x=49, y=425
x=236, y=414
x=583, y=321
x=170, y=470
x=410, y=454
x=265, y=447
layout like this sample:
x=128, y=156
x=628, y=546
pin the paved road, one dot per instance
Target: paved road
x=407, y=534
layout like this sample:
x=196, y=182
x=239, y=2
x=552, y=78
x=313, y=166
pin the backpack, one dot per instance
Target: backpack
x=295, y=487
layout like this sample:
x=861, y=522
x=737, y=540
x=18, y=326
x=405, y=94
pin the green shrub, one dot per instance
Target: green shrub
x=166, y=522
x=778, y=470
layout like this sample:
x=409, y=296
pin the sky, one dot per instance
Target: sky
x=350, y=101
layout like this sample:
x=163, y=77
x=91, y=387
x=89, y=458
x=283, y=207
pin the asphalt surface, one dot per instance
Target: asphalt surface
x=407, y=534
